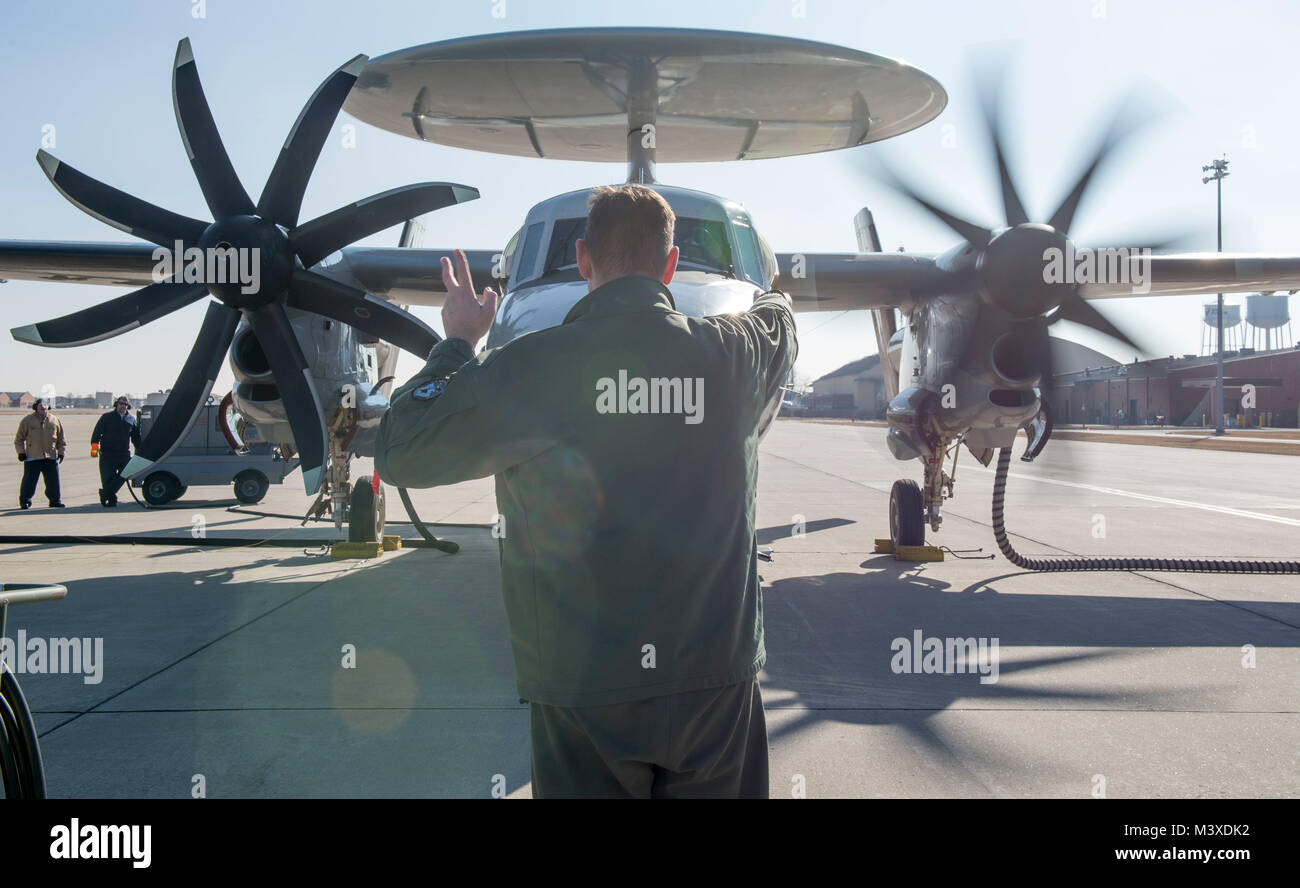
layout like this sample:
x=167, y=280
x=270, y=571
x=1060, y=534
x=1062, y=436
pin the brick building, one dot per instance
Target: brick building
x=1182, y=390
x=17, y=399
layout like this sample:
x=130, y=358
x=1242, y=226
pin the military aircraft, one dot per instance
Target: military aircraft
x=968, y=366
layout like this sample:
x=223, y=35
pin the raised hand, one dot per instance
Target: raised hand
x=464, y=314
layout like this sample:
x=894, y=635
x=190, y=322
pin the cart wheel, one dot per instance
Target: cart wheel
x=250, y=486
x=160, y=488
x=366, y=513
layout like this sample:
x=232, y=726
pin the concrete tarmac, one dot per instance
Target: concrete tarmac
x=225, y=667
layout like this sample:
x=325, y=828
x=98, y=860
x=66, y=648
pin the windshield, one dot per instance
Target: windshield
x=703, y=244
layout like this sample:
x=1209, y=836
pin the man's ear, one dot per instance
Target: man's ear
x=670, y=268
x=584, y=260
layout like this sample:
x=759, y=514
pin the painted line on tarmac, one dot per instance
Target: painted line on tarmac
x=1165, y=501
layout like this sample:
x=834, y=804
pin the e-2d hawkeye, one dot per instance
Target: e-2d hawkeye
x=967, y=367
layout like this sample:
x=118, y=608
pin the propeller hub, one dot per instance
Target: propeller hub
x=246, y=261
x=1014, y=270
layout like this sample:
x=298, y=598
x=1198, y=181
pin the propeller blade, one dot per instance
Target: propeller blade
x=191, y=390
x=1077, y=309
x=111, y=318
x=315, y=293
x=989, y=88
x=297, y=389
x=117, y=208
x=1120, y=128
x=217, y=180
x=975, y=235
x=281, y=199
x=315, y=240
x=1163, y=242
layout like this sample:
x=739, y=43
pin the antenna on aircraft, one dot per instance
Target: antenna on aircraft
x=643, y=95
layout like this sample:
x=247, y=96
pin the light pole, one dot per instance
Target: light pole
x=1217, y=169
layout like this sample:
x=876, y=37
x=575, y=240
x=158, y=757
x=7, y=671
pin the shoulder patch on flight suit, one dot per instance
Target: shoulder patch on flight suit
x=429, y=390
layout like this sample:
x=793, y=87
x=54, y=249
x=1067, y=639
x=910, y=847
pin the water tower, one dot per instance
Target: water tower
x=1231, y=321
x=1269, y=318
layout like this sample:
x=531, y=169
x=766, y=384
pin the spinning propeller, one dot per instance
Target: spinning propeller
x=1009, y=264
x=286, y=250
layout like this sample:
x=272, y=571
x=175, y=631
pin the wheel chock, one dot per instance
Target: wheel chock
x=392, y=542
x=909, y=553
x=357, y=550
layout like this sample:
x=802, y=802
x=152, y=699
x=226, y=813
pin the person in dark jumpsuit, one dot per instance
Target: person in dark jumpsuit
x=115, y=433
x=625, y=448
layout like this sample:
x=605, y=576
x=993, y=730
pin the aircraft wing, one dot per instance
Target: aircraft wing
x=115, y=265
x=1201, y=273
x=842, y=281
x=406, y=275
x=401, y=275
x=815, y=281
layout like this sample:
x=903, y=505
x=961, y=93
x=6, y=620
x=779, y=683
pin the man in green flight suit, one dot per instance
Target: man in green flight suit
x=625, y=448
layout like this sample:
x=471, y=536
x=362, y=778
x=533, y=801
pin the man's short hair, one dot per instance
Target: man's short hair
x=629, y=230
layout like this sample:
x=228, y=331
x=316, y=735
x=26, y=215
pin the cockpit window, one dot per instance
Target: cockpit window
x=527, y=259
x=564, y=244
x=751, y=261
x=703, y=244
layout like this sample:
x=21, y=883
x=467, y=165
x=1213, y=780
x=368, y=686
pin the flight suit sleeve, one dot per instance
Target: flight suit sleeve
x=135, y=435
x=463, y=416
x=766, y=341
x=98, y=434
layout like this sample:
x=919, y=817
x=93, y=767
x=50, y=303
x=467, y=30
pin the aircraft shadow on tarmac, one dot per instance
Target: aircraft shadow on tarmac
x=832, y=648
x=232, y=665
x=768, y=535
x=124, y=506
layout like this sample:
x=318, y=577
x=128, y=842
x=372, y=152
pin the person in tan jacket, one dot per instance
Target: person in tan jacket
x=40, y=445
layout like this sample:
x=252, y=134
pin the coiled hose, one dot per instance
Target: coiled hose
x=1064, y=563
x=21, y=769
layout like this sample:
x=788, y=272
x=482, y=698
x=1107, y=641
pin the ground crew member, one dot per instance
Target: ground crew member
x=115, y=433
x=625, y=448
x=40, y=445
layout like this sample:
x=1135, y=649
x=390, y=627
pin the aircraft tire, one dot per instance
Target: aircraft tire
x=366, y=513
x=906, y=514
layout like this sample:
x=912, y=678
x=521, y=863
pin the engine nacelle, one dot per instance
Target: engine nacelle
x=341, y=370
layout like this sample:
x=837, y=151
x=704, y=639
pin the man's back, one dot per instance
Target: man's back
x=625, y=448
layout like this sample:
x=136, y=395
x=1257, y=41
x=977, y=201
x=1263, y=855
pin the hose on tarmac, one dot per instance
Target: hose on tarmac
x=444, y=545
x=1068, y=563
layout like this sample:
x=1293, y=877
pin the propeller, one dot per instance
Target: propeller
x=1011, y=264
x=266, y=235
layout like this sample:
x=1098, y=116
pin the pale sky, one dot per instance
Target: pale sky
x=99, y=75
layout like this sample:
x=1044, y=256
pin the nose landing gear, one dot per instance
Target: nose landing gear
x=366, y=512
x=906, y=514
